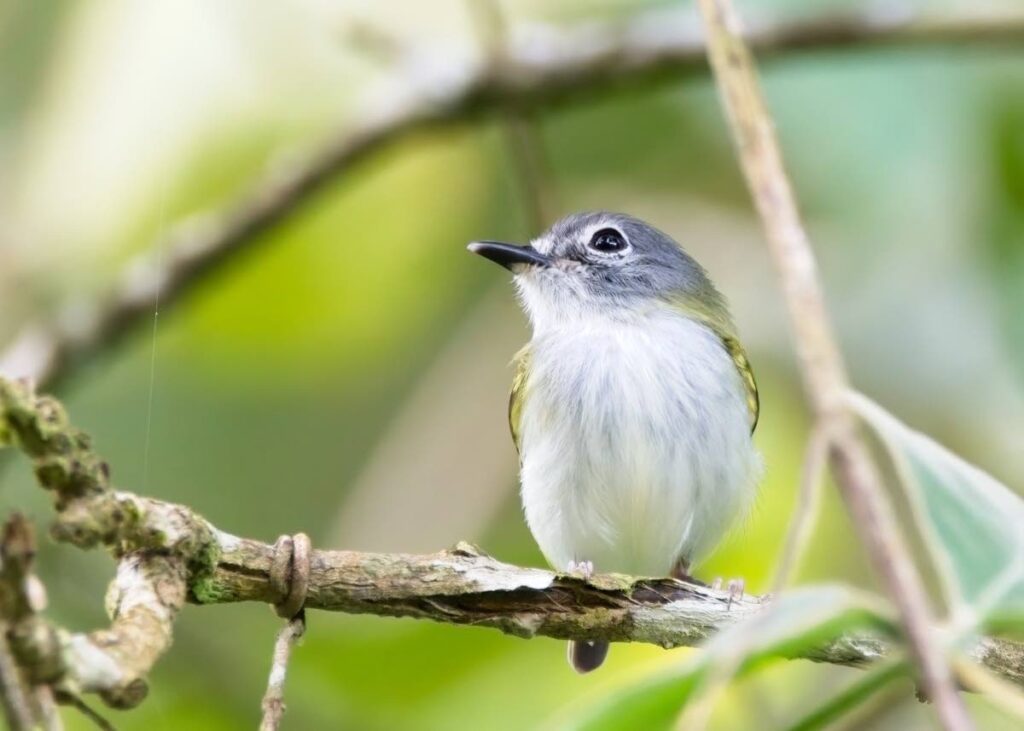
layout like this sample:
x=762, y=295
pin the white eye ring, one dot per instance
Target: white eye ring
x=608, y=241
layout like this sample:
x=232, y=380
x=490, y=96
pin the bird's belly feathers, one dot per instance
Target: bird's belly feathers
x=636, y=447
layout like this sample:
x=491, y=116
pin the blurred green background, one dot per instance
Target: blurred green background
x=349, y=377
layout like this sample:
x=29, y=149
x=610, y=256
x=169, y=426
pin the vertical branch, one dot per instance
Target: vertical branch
x=13, y=693
x=49, y=716
x=27, y=703
x=808, y=504
x=273, y=699
x=824, y=374
x=289, y=574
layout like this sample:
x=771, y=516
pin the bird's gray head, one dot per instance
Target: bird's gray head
x=602, y=261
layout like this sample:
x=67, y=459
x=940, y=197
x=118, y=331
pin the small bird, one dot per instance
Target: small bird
x=633, y=405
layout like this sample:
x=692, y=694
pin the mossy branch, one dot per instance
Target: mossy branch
x=169, y=554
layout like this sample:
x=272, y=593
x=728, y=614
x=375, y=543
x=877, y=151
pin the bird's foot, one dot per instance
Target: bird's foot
x=735, y=587
x=581, y=569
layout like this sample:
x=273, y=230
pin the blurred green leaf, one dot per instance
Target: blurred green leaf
x=796, y=621
x=851, y=697
x=970, y=522
x=1001, y=220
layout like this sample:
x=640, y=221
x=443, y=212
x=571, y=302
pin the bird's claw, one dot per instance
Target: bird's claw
x=581, y=569
x=735, y=588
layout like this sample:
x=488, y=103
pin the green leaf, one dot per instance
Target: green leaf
x=973, y=524
x=792, y=624
x=851, y=697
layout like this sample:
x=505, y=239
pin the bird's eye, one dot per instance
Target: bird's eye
x=607, y=240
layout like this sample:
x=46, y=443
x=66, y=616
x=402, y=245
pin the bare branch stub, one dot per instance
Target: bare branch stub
x=143, y=601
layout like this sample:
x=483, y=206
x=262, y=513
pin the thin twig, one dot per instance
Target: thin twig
x=821, y=363
x=543, y=68
x=808, y=506
x=273, y=699
x=67, y=698
x=49, y=714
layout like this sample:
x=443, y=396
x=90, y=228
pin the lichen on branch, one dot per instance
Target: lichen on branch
x=159, y=547
x=169, y=554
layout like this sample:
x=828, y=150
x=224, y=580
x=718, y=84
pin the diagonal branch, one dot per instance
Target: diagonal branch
x=543, y=66
x=822, y=365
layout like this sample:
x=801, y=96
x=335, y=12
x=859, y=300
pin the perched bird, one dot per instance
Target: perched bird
x=632, y=406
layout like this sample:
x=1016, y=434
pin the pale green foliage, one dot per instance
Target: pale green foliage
x=798, y=620
x=973, y=525
x=851, y=697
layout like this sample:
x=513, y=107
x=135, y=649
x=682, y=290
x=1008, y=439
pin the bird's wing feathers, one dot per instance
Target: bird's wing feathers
x=521, y=364
x=739, y=358
x=711, y=312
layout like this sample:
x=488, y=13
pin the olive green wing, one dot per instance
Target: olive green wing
x=708, y=307
x=521, y=366
x=710, y=311
x=739, y=358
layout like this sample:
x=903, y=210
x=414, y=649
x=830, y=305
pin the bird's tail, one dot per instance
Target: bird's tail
x=587, y=655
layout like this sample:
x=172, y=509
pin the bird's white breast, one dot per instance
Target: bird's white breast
x=635, y=441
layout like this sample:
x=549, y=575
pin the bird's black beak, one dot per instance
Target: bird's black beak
x=510, y=256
